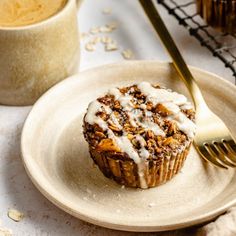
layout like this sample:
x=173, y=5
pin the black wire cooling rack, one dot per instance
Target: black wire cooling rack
x=221, y=45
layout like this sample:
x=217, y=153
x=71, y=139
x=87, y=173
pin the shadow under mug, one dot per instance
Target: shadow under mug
x=35, y=57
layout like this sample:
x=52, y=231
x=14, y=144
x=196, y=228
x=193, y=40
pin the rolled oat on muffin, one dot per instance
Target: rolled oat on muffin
x=139, y=135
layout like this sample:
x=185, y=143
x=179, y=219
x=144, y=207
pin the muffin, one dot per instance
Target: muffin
x=220, y=14
x=139, y=135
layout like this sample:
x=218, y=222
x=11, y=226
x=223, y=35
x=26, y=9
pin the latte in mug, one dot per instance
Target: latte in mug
x=15, y=13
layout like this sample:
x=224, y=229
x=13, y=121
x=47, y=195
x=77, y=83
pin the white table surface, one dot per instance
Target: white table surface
x=135, y=33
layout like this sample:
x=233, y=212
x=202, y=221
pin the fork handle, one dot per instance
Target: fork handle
x=173, y=51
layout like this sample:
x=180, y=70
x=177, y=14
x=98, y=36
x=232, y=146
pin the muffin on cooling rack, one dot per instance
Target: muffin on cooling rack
x=220, y=14
x=139, y=135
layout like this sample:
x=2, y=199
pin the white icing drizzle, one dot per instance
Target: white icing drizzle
x=115, y=121
x=172, y=101
x=149, y=125
x=161, y=95
x=144, y=153
x=125, y=100
x=126, y=146
x=115, y=92
x=106, y=109
x=143, y=106
x=91, y=117
x=132, y=118
x=171, y=107
x=187, y=106
x=183, y=122
x=142, y=180
x=148, y=114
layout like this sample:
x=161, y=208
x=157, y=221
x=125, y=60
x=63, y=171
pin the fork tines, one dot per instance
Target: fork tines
x=222, y=154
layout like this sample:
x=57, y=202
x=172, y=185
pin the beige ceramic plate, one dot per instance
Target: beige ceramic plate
x=56, y=156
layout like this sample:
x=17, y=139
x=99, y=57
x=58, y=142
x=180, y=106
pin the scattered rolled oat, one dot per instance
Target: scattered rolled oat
x=105, y=29
x=15, y=215
x=89, y=47
x=112, y=25
x=127, y=54
x=88, y=191
x=151, y=204
x=123, y=187
x=96, y=40
x=94, y=30
x=106, y=39
x=5, y=232
x=111, y=46
x=106, y=11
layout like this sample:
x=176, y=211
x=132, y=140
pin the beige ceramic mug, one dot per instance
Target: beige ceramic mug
x=35, y=57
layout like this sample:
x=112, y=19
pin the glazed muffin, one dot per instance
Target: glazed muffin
x=139, y=135
x=220, y=14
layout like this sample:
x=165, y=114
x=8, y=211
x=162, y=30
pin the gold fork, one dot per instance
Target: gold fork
x=213, y=139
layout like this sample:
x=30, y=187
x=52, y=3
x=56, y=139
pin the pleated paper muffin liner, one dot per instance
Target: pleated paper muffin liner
x=220, y=14
x=125, y=172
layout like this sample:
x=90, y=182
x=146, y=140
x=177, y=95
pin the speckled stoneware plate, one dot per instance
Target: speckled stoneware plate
x=56, y=156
